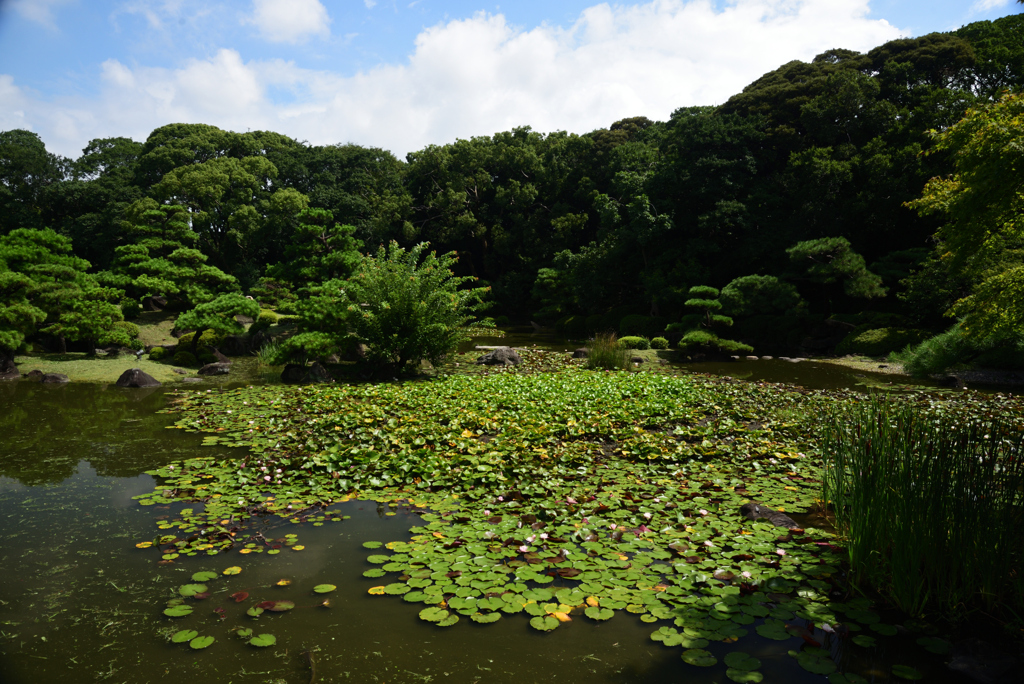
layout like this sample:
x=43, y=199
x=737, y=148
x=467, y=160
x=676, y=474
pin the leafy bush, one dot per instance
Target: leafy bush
x=130, y=309
x=268, y=317
x=157, y=353
x=404, y=305
x=607, y=353
x=912, y=491
x=634, y=342
x=954, y=349
x=880, y=341
x=184, y=358
x=706, y=341
x=208, y=339
x=756, y=294
x=130, y=329
x=659, y=343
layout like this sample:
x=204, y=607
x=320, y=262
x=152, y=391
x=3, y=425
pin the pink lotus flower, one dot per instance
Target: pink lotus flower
x=647, y=515
x=524, y=548
x=702, y=512
x=781, y=552
x=267, y=478
x=746, y=574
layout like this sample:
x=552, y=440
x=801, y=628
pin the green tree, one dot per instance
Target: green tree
x=161, y=258
x=832, y=260
x=55, y=282
x=983, y=203
x=699, y=332
x=26, y=171
x=760, y=294
x=404, y=305
x=217, y=315
x=319, y=250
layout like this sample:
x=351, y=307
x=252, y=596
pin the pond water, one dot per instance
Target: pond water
x=80, y=603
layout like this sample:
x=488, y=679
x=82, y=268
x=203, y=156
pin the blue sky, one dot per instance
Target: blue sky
x=401, y=75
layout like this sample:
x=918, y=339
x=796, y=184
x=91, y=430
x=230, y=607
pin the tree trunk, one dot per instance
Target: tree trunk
x=62, y=345
x=195, y=341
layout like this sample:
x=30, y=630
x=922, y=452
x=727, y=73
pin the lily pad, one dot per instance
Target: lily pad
x=598, y=613
x=934, y=645
x=178, y=611
x=192, y=589
x=744, y=676
x=907, y=672
x=204, y=576
x=864, y=640
x=184, y=635
x=276, y=606
x=263, y=640
x=233, y=570
x=199, y=643
x=544, y=623
x=699, y=657
x=324, y=588
x=738, y=660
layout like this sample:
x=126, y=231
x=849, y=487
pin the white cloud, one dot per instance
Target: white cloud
x=370, y=4
x=39, y=11
x=987, y=5
x=290, y=21
x=476, y=76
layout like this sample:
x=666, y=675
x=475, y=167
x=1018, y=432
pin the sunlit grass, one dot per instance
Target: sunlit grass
x=81, y=368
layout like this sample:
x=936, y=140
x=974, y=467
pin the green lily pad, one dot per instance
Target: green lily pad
x=178, y=611
x=199, y=643
x=263, y=640
x=934, y=645
x=864, y=640
x=744, y=676
x=699, y=657
x=433, y=614
x=815, y=662
x=485, y=618
x=204, y=576
x=544, y=623
x=884, y=629
x=907, y=672
x=738, y=660
x=192, y=589
x=773, y=629
x=255, y=611
x=598, y=613
x=324, y=588
x=184, y=635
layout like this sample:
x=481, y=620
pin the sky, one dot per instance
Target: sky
x=401, y=75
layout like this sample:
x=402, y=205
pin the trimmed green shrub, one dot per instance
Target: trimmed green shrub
x=880, y=341
x=659, y=343
x=184, y=358
x=268, y=317
x=157, y=353
x=129, y=329
x=705, y=341
x=209, y=339
x=634, y=342
x=606, y=353
x=207, y=357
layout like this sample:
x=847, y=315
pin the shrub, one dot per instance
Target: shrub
x=268, y=317
x=157, y=353
x=184, y=358
x=209, y=339
x=912, y=492
x=633, y=342
x=130, y=309
x=129, y=329
x=880, y=341
x=756, y=294
x=659, y=343
x=207, y=357
x=269, y=354
x=706, y=341
x=606, y=353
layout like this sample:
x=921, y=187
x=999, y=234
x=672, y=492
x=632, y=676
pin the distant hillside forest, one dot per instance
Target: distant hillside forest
x=825, y=193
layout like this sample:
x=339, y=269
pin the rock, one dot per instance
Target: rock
x=220, y=357
x=581, y=353
x=767, y=358
x=154, y=303
x=54, y=378
x=135, y=377
x=215, y=369
x=753, y=358
x=35, y=374
x=180, y=371
x=756, y=511
x=293, y=372
x=637, y=359
x=502, y=356
x=258, y=340
x=8, y=371
x=332, y=359
x=983, y=663
x=243, y=320
x=317, y=373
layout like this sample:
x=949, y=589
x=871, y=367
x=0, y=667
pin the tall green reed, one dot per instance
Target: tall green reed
x=606, y=353
x=932, y=510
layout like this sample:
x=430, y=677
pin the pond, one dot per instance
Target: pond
x=81, y=603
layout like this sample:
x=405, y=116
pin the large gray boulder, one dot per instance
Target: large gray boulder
x=293, y=372
x=317, y=373
x=215, y=369
x=53, y=378
x=8, y=371
x=501, y=356
x=136, y=377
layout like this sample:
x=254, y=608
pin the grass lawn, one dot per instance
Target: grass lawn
x=155, y=327
x=81, y=368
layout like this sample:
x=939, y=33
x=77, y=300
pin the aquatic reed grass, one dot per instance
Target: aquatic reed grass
x=932, y=510
x=268, y=354
x=606, y=353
